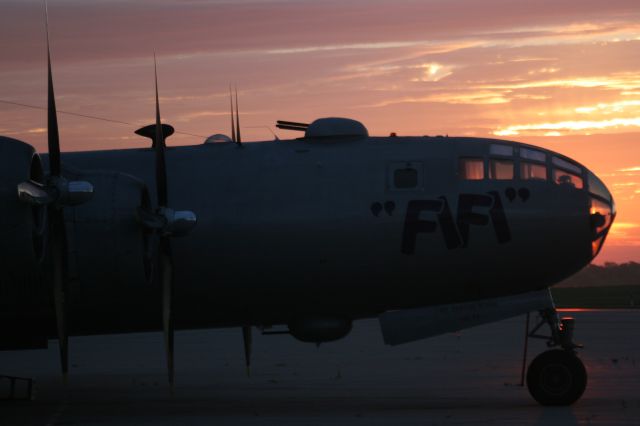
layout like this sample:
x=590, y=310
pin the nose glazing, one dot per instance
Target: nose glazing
x=602, y=212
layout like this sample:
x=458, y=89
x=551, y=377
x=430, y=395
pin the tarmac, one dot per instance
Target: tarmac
x=469, y=377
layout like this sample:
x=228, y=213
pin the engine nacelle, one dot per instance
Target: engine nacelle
x=24, y=295
x=105, y=243
x=319, y=329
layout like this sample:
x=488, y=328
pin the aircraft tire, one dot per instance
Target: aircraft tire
x=556, y=377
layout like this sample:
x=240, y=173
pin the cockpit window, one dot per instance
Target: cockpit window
x=602, y=215
x=500, y=169
x=563, y=164
x=504, y=150
x=532, y=154
x=405, y=178
x=471, y=168
x=529, y=170
x=565, y=178
x=567, y=173
x=598, y=188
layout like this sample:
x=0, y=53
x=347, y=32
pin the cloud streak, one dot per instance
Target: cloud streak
x=569, y=125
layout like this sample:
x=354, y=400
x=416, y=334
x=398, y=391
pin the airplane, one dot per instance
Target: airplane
x=301, y=236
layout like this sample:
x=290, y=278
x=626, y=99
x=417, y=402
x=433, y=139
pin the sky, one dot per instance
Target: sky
x=564, y=75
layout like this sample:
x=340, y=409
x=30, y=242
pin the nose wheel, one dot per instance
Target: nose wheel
x=557, y=376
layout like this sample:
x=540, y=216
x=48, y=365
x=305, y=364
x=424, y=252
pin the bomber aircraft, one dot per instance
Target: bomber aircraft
x=428, y=234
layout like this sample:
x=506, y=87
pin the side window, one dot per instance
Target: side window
x=529, y=170
x=471, y=168
x=405, y=176
x=501, y=169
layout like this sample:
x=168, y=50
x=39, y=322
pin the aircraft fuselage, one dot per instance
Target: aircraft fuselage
x=347, y=228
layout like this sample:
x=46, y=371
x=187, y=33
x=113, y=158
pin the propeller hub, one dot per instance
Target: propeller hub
x=70, y=192
x=177, y=222
x=34, y=193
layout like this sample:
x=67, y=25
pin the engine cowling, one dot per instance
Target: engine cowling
x=24, y=299
x=110, y=252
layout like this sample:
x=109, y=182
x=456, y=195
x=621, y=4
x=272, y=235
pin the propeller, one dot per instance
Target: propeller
x=56, y=193
x=57, y=230
x=165, y=223
x=235, y=137
x=164, y=245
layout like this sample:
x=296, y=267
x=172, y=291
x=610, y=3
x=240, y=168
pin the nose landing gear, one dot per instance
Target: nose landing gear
x=557, y=376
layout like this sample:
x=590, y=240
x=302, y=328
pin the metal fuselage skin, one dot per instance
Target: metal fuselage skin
x=289, y=229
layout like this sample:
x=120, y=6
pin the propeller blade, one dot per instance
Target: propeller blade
x=246, y=336
x=233, y=124
x=166, y=277
x=161, y=167
x=58, y=262
x=56, y=218
x=239, y=141
x=164, y=252
x=53, y=138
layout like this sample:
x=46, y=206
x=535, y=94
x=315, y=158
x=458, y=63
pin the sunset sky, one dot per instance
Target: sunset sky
x=564, y=75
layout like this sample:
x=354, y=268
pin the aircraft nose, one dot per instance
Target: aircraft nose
x=602, y=212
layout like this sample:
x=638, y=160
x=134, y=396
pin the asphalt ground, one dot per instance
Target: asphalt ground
x=470, y=377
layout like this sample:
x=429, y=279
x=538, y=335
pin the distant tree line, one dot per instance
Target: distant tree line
x=610, y=274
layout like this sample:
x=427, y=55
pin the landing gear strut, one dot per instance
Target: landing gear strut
x=557, y=376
